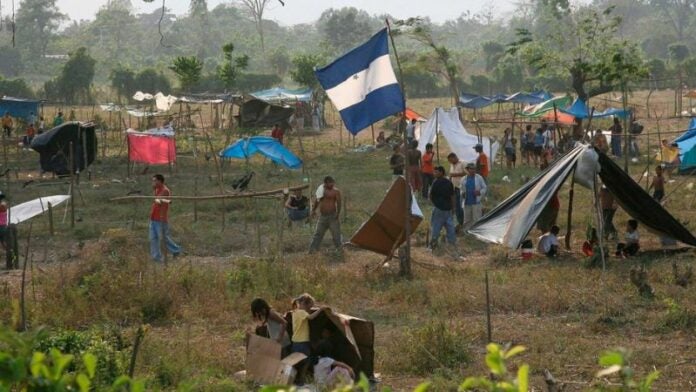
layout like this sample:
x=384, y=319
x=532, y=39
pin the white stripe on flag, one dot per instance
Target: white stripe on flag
x=354, y=89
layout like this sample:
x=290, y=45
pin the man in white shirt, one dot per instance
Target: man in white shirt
x=411, y=131
x=548, y=243
x=473, y=188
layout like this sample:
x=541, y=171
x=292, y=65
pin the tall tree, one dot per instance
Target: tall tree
x=679, y=14
x=75, y=80
x=581, y=46
x=256, y=9
x=230, y=69
x=302, y=72
x=188, y=70
x=343, y=29
x=122, y=81
x=37, y=22
x=198, y=13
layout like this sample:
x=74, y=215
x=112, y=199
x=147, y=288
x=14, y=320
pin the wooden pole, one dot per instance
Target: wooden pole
x=215, y=197
x=72, y=186
x=281, y=221
x=50, y=219
x=219, y=173
x=405, y=261
x=437, y=135
x=23, y=304
x=372, y=128
x=488, y=312
x=136, y=347
x=570, y=209
x=257, y=228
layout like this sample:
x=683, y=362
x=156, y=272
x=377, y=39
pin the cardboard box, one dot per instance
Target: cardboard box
x=264, y=364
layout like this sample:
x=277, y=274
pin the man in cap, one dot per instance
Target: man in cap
x=473, y=188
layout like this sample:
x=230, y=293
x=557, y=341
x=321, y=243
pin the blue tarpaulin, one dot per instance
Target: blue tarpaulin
x=686, y=143
x=283, y=94
x=18, y=107
x=475, y=103
x=264, y=145
x=580, y=110
x=526, y=98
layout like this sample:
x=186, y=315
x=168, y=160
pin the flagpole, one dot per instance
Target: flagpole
x=405, y=263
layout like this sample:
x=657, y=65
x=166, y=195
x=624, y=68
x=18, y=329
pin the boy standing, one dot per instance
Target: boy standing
x=159, y=225
x=329, y=204
x=658, y=185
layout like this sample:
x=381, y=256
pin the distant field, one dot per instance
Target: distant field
x=97, y=276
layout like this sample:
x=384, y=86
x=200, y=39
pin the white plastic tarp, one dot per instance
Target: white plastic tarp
x=460, y=141
x=509, y=223
x=32, y=208
x=165, y=131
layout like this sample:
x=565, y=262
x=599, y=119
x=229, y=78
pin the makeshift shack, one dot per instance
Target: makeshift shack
x=264, y=145
x=446, y=122
x=19, y=107
x=384, y=231
x=512, y=220
x=154, y=147
x=352, y=339
x=256, y=113
x=54, y=148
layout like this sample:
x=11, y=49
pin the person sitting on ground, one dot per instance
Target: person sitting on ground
x=328, y=372
x=397, y=162
x=297, y=206
x=548, y=243
x=381, y=141
x=270, y=324
x=589, y=244
x=632, y=244
x=658, y=185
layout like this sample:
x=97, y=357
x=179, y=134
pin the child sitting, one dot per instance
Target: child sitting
x=632, y=244
x=329, y=373
x=548, y=243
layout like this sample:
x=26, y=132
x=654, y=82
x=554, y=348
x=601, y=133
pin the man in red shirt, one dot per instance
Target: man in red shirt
x=482, y=167
x=277, y=133
x=159, y=226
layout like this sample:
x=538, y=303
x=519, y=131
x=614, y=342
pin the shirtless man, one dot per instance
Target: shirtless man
x=329, y=203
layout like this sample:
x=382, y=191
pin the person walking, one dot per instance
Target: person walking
x=427, y=170
x=328, y=202
x=473, y=188
x=442, y=195
x=159, y=221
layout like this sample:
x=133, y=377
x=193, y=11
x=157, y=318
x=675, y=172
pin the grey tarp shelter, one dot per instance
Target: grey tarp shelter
x=511, y=221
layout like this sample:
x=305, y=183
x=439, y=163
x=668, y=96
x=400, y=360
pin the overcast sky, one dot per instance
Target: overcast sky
x=303, y=11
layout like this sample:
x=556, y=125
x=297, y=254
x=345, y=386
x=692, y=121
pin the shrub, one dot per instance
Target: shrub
x=433, y=347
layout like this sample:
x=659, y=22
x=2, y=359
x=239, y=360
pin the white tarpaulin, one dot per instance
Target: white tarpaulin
x=460, y=141
x=165, y=131
x=141, y=96
x=164, y=102
x=32, y=208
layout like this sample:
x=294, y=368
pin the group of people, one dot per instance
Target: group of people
x=34, y=126
x=293, y=333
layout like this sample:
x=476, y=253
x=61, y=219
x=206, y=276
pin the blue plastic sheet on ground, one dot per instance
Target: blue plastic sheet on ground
x=264, y=145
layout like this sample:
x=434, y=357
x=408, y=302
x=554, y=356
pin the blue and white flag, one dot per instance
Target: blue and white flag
x=362, y=85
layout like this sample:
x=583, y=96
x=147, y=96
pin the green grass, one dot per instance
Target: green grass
x=99, y=274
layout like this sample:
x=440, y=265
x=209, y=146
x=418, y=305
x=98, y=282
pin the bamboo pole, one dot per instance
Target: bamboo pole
x=72, y=186
x=570, y=210
x=50, y=219
x=23, y=303
x=219, y=173
x=214, y=197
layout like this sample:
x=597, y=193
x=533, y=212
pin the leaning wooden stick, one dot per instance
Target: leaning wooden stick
x=214, y=197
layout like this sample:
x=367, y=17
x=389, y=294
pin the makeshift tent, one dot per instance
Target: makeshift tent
x=19, y=108
x=462, y=143
x=528, y=98
x=559, y=117
x=687, y=148
x=384, y=231
x=257, y=113
x=546, y=106
x=412, y=115
x=475, y=103
x=511, y=221
x=277, y=94
x=579, y=109
x=264, y=145
x=498, y=98
x=154, y=147
x=32, y=208
x=53, y=147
